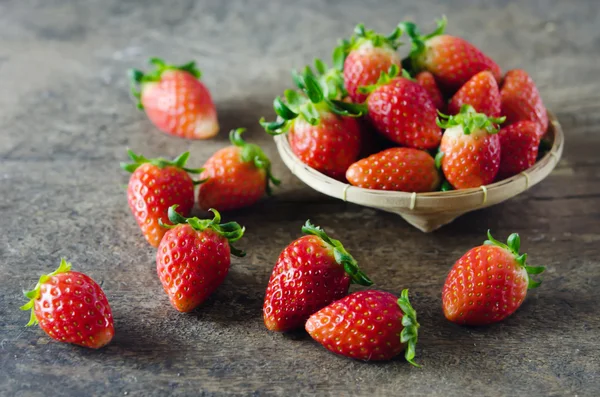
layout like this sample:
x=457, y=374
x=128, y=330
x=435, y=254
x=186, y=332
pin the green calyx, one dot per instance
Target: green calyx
x=232, y=231
x=470, y=121
x=252, y=153
x=137, y=78
x=160, y=162
x=513, y=244
x=35, y=293
x=410, y=331
x=385, y=77
x=418, y=40
x=342, y=256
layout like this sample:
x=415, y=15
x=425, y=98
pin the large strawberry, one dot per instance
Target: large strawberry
x=521, y=100
x=367, y=325
x=311, y=272
x=175, y=100
x=236, y=176
x=400, y=169
x=470, y=148
x=481, y=92
x=488, y=283
x=520, y=142
x=364, y=57
x=452, y=60
x=71, y=307
x=194, y=257
x=154, y=186
x=427, y=81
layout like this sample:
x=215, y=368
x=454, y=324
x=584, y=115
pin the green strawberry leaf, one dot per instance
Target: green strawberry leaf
x=410, y=331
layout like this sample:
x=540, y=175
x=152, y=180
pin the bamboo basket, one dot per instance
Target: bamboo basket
x=429, y=211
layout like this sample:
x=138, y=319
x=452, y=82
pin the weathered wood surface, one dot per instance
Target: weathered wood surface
x=66, y=119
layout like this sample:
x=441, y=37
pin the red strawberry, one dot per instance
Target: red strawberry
x=470, y=148
x=481, y=92
x=521, y=100
x=364, y=57
x=154, y=186
x=452, y=60
x=194, y=257
x=427, y=81
x=488, y=283
x=403, y=111
x=520, y=142
x=367, y=325
x=400, y=169
x=236, y=176
x=175, y=100
x=311, y=272
x=70, y=307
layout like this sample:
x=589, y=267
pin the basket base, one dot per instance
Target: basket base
x=429, y=222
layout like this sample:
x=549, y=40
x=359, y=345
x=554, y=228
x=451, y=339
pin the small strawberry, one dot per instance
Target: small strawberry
x=452, y=60
x=154, y=186
x=194, y=257
x=175, y=100
x=481, y=92
x=427, y=81
x=70, y=307
x=364, y=57
x=236, y=176
x=311, y=272
x=399, y=169
x=470, y=149
x=521, y=100
x=403, y=111
x=367, y=325
x=520, y=142
x=488, y=283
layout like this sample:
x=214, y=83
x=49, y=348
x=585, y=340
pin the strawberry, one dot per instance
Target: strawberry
x=364, y=57
x=71, y=307
x=521, y=100
x=520, y=142
x=470, y=150
x=236, y=176
x=154, y=186
x=488, y=283
x=403, y=111
x=311, y=272
x=367, y=325
x=481, y=92
x=452, y=60
x=400, y=169
x=175, y=100
x=427, y=81
x=194, y=257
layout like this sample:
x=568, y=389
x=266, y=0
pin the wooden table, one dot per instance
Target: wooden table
x=66, y=119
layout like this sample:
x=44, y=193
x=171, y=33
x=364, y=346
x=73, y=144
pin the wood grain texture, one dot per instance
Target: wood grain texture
x=66, y=119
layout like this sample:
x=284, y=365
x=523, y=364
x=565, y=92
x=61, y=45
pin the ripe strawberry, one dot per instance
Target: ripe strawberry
x=175, y=100
x=481, y=92
x=470, y=148
x=427, y=81
x=521, y=100
x=400, y=169
x=311, y=272
x=154, y=186
x=520, y=142
x=488, y=283
x=70, y=307
x=194, y=257
x=403, y=111
x=367, y=325
x=364, y=57
x=452, y=60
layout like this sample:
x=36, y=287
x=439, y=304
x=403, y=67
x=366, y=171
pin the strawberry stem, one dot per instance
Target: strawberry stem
x=410, y=332
x=418, y=41
x=470, y=120
x=161, y=163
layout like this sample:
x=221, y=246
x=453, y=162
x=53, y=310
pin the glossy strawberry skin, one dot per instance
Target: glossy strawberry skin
x=427, y=81
x=485, y=286
x=179, y=104
x=191, y=265
x=72, y=308
x=398, y=169
x=481, y=92
x=520, y=142
x=305, y=279
x=403, y=112
x=521, y=100
x=365, y=325
x=150, y=193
